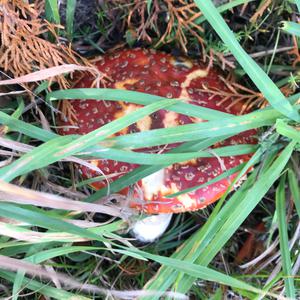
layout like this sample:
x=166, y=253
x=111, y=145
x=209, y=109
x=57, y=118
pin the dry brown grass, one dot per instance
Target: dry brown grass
x=179, y=17
x=24, y=48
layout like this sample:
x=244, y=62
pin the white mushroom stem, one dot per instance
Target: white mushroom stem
x=150, y=228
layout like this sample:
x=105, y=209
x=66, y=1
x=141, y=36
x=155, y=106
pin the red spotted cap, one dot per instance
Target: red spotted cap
x=160, y=74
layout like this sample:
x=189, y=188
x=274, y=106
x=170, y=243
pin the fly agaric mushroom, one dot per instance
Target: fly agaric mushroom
x=163, y=75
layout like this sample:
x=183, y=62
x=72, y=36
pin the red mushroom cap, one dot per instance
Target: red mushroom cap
x=163, y=75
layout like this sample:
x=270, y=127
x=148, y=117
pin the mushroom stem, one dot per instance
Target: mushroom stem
x=150, y=228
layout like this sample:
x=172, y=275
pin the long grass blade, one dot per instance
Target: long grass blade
x=192, y=132
x=288, y=131
x=294, y=187
x=284, y=240
x=70, y=13
x=169, y=158
x=52, y=11
x=138, y=98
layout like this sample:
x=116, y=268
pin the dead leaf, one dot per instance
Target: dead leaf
x=49, y=73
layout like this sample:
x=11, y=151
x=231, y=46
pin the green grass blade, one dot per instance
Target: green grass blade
x=138, y=98
x=288, y=131
x=258, y=76
x=28, y=129
x=70, y=13
x=45, y=255
x=294, y=187
x=52, y=11
x=169, y=158
x=291, y=28
x=15, y=212
x=18, y=112
x=190, y=132
x=284, y=240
